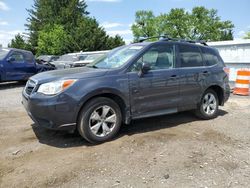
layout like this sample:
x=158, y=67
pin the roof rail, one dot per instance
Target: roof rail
x=185, y=40
x=165, y=38
x=142, y=39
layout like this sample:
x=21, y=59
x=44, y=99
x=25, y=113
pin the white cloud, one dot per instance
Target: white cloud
x=128, y=41
x=108, y=25
x=241, y=34
x=3, y=23
x=105, y=1
x=119, y=32
x=3, y=6
x=6, y=36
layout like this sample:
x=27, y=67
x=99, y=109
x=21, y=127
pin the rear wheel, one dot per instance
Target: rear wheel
x=208, y=106
x=100, y=120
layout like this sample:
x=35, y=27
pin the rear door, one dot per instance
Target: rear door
x=156, y=92
x=193, y=74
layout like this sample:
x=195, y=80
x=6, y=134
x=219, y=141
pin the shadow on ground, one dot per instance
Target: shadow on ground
x=62, y=139
x=10, y=85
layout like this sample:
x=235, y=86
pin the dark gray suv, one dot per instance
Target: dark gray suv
x=131, y=82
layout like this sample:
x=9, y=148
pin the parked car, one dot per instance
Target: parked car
x=90, y=58
x=18, y=65
x=79, y=59
x=67, y=60
x=135, y=81
x=46, y=58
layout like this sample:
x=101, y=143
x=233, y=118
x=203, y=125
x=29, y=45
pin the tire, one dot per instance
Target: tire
x=99, y=120
x=208, y=106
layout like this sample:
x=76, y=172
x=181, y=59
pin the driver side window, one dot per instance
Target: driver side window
x=158, y=57
x=17, y=56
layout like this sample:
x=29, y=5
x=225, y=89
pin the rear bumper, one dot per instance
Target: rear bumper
x=50, y=113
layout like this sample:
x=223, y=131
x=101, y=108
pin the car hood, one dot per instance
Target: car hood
x=62, y=64
x=73, y=73
x=83, y=61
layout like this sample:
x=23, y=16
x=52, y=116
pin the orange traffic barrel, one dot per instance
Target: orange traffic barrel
x=242, y=83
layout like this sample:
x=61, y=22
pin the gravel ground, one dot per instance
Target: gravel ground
x=176, y=150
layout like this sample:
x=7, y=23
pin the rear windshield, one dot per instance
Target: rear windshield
x=3, y=53
x=67, y=57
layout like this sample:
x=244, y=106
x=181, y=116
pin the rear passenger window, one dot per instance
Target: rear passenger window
x=210, y=56
x=190, y=56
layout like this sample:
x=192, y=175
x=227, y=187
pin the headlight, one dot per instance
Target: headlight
x=56, y=87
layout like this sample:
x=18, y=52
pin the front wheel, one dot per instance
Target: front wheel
x=208, y=106
x=99, y=120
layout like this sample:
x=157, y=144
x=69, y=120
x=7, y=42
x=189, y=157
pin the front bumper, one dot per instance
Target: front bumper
x=57, y=112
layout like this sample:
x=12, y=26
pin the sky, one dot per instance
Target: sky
x=117, y=16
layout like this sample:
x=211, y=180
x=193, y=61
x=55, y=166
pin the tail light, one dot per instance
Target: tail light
x=226, y=70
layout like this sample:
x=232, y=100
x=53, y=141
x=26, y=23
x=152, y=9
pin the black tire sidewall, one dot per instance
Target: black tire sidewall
x=83, y=121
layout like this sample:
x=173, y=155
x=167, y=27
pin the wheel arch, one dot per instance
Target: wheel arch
x=112, y=94
x=219, y=91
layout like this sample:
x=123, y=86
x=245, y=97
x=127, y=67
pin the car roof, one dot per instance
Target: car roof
x=19, y=50
x=174, y=42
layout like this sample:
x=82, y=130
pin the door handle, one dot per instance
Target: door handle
x=173, y=76
x=205, y=73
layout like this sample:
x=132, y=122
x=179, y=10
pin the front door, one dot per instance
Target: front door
x=15, y=66
x=157, y=91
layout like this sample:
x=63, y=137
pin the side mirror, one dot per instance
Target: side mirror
x=144, y=69
x=11, y=59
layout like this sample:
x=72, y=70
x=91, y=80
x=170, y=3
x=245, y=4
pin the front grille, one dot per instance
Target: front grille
x=30, y=87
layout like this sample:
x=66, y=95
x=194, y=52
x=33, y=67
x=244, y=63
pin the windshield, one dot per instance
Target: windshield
x=3, y=53
x=67, y=57
x=82, y=57
x=93, y=57
x=117, y=57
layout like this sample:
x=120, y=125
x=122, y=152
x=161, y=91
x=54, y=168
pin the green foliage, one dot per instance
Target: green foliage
x=20, y=43
x=58, y=27
x=200, y=24
x=247, y=36
x=145, y=24
x=52, y=40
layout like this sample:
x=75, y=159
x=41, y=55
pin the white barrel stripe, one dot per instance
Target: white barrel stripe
x=242, y=85
x=243, y=77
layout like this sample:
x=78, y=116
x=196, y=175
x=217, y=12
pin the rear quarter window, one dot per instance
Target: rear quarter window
x=190, y=56
x=211, y=57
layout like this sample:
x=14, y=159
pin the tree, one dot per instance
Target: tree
x=200, y=24
x=145, y=23
x=176, y=23
x=19, y=42
x=247, y=35
x=207, y=25
x=47, y=12
x=53, y=40
x=114, y=42
x=83, y=32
